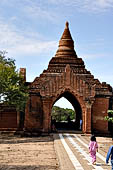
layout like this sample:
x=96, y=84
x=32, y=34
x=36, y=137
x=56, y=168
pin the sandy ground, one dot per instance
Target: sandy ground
x=35, y=153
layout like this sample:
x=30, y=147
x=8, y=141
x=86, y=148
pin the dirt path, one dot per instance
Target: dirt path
x=27, y=153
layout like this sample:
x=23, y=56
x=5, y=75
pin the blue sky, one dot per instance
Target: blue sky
x=31, y=29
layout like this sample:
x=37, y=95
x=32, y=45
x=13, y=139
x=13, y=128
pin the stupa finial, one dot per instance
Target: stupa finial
x=67, y=25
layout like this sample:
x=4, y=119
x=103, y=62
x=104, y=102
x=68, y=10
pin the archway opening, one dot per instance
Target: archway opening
x=66, y=113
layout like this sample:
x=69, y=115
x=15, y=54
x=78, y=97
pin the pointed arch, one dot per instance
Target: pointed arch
x=75, y=103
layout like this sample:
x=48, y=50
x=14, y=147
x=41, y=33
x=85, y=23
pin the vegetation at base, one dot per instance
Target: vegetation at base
x=61, y=114
x=12, y=87
x=109, y=118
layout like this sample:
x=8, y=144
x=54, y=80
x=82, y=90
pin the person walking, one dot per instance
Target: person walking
x=93, y=147
x=80, y=124
x=110, y=154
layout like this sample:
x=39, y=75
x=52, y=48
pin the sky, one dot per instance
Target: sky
x=30, y=31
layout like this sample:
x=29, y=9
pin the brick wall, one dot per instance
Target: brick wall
x=99, y=111
x=34, y=113
x=8, y=118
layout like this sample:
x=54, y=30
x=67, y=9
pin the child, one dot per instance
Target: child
x=110, y=154
x=93, y=147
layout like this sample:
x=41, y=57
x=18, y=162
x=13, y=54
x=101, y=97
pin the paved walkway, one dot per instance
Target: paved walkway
x=72, y=151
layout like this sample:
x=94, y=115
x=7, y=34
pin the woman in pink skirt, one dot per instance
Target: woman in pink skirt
x=93, y=147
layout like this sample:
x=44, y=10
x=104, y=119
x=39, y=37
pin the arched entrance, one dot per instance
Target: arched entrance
x=77, y=108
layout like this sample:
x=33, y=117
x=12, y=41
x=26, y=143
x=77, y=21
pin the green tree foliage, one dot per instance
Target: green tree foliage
x=12, y=87
x=110, y=116
x=61, y=114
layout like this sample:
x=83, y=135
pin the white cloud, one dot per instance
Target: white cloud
x=92, y=56
x=86, y=5
x=17, y=44
x=105, y=3
x=52, y=10
x=8, y=37
x=61, y=6
x=33, y=9
x=98, y=5
x=36, y=11
x=30, y=48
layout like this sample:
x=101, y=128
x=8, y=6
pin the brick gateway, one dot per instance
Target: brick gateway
x=66, y=76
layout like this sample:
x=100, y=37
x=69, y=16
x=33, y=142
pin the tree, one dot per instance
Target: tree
x=61, y=114
x=12, y=87
x=110, y=116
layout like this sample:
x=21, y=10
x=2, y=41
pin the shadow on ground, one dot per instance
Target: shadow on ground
x=28, y=167
x=15, y=140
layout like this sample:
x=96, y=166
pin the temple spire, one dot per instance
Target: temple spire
x=66, y=44
x=67, y=25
